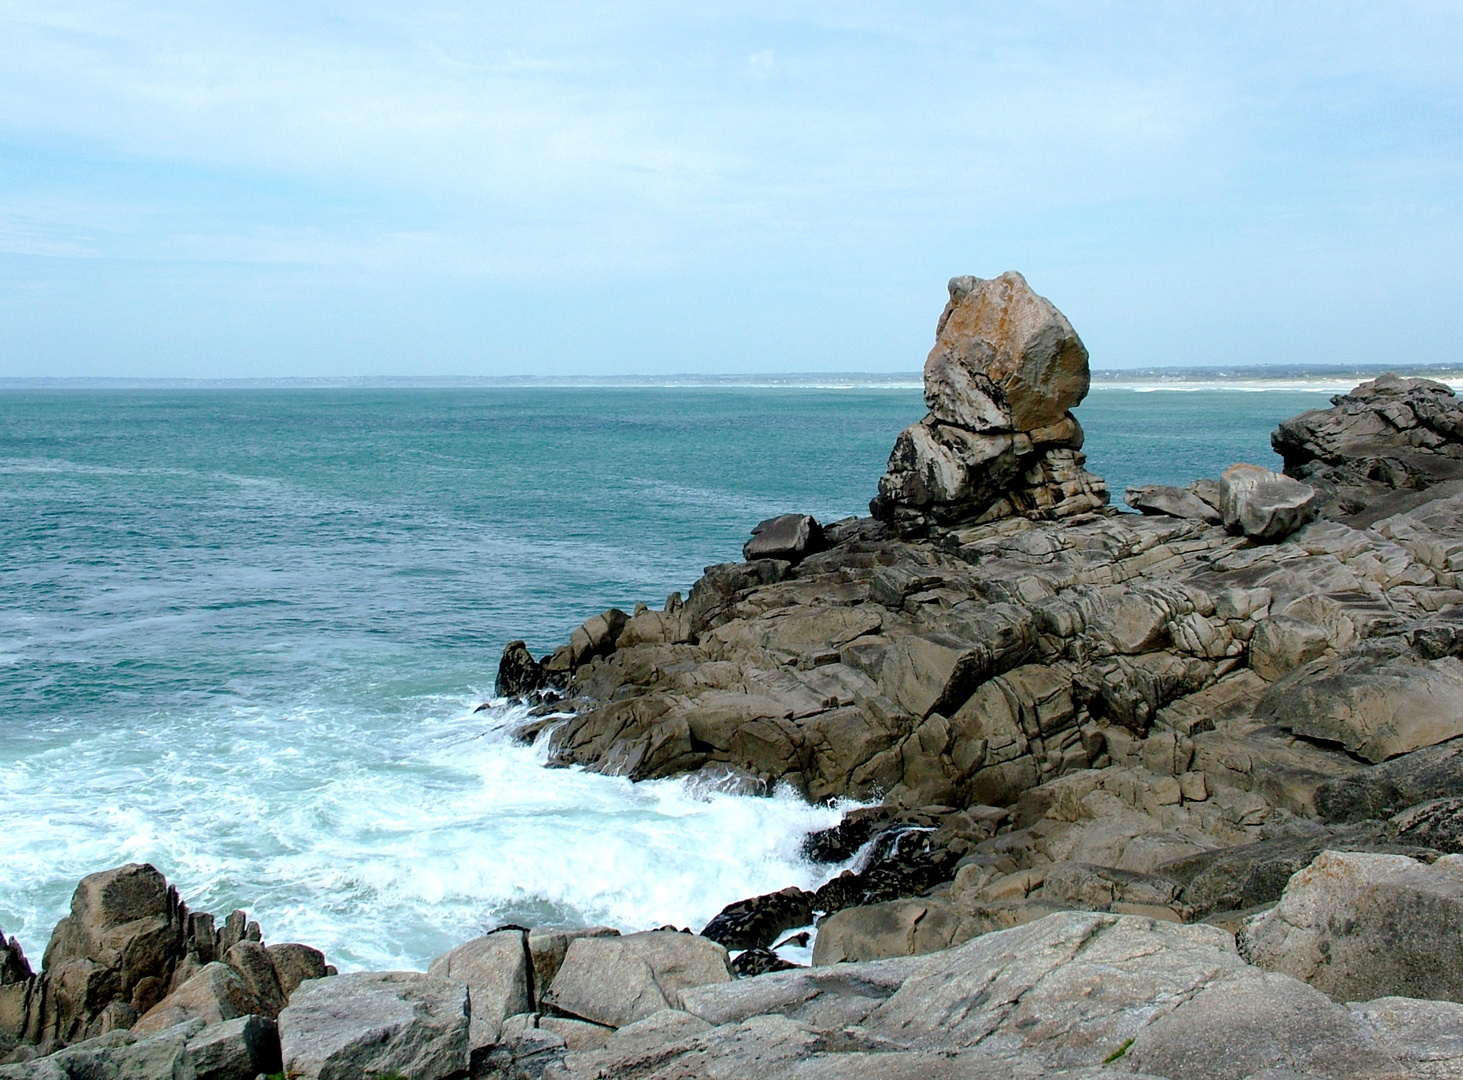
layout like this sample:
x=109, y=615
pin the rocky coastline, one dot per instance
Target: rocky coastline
x=1175, y=793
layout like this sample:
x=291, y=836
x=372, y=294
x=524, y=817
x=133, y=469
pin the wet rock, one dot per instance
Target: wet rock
x=790, y=537
x=497, y=971
x=374, y=1024
x=751, y=962
x=1264, y=505
x=755, y=923
x=1362, y=926
x=519, y=674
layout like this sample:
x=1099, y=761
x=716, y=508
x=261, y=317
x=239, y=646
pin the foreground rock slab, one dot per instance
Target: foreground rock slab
x=1362, y=926
x=371, y=1024
x=615, y=981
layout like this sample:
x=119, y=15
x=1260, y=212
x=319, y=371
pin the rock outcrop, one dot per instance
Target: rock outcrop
x=131, y=960
x=1164, y=715
x=1005, y=371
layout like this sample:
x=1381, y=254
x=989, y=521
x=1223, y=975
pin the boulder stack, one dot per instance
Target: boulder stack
x=1000, y=439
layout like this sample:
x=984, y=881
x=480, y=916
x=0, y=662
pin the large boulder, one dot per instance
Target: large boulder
x=791, y=537
x=497, y=971
x=999, y=439
x=1362, y=926
x=1004, y=358
x=238, y=1049
x=615, y=981
x=1264, y=505
x=893, y=928
x=376, y=1023
x=1172, y=502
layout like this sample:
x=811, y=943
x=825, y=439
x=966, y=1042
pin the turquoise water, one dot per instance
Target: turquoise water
x=242, y=633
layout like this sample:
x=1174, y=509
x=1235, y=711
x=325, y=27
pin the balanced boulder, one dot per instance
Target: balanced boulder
x=791, y=537
x=1262, y=504
x=999, y=439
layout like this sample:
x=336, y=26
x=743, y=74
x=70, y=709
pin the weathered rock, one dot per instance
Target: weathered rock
x=252, y=961
x=893, y=928
x=1004, y=358
x=1264, y=505
x=519, y=674
x=616, y=981
x=294, y=963
x=497, y=971
x=1437, y=825
x=1360, y=926
x=1375, y=708
x=368, y=1024
x=547, y=949
x=237, y=1049
x=791, y=537
x=1395, y=785
x=1281, y=644
x=117, y=1054
x=215, y=994
x=1173, y=501
x=999, y=439
x=755, y=923
x=1426, y=1037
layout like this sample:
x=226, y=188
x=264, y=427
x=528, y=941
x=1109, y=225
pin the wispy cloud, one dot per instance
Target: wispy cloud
x=801, y=156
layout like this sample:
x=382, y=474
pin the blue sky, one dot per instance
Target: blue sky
x=223, y=190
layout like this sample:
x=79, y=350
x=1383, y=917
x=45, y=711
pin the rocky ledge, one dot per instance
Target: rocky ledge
x=1174, y=794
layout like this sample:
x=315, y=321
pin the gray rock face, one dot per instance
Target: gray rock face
x=1173, y=501
x=1377, y=709
x=791, y=537
x=1072, y=995
x=614, y=981
x=876, y=931
x=1362, y=926
x=375, y=1023
x=496, y=970
x=236, y=1049
x=1264, y=505
x=999, y=439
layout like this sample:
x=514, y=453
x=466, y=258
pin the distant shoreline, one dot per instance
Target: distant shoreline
x=1252, y=378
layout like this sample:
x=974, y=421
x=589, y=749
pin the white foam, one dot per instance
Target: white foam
x=382, y=843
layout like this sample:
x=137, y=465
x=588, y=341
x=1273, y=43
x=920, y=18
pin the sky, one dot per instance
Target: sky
x=485, y=189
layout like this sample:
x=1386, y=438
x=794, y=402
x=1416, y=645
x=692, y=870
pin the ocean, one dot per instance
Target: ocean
x=243, y=633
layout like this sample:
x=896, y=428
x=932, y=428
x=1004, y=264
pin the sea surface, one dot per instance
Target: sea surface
x=243, y=633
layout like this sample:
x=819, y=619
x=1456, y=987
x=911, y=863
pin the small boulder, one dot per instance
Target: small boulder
x=238, y=1049
x=294, y=963
x=547, y=948
x=616, y=981
x=790, y=537
x=251, y=960
x=496, y=970
x=374, y=1023
x=1170, y=501
x=755, y=923
x=1363, y=926
x=1264, y=505
x=1437, y=824
x=519, y=674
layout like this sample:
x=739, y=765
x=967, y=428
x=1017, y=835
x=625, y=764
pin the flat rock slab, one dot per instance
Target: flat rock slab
x=1362, y=926
x=371, y=1024
x=614, y=981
